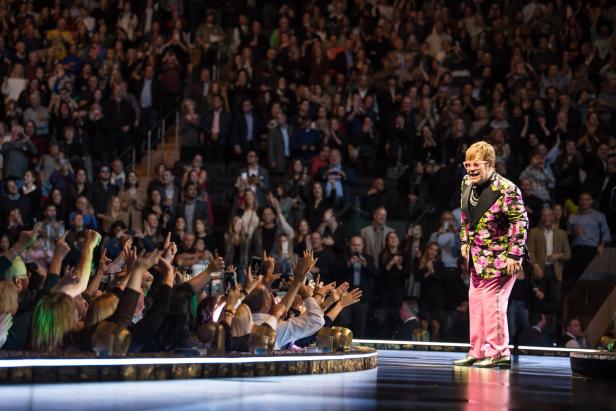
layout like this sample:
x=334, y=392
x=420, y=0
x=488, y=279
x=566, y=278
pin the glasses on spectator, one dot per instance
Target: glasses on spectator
x=473, y=164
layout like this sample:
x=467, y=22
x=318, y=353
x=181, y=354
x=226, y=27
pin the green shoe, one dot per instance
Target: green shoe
x=466, y=361
x=502, y=362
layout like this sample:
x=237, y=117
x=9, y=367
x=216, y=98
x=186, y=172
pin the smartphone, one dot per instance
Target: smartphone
x=229, y=281
x=255, y=263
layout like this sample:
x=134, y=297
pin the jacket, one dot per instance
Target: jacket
x=499, y=228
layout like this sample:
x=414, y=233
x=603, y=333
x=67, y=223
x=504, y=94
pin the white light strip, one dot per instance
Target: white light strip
x=85, y=362
x=420, y=343
x=466, y=345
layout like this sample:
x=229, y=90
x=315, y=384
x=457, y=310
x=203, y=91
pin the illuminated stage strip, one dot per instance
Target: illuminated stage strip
x=86, y=362
x=466, y=345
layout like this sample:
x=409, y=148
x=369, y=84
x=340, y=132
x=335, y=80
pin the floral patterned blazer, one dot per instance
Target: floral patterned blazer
x=499, y=227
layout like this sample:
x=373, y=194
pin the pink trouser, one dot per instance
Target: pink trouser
x=487, y=306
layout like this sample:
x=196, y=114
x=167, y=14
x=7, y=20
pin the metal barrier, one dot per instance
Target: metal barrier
x=155, y=135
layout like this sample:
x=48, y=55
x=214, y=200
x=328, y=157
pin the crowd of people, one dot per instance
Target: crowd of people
x=319, y=112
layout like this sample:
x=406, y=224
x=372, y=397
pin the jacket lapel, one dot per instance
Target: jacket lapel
x=487, y=198
x=466, y=193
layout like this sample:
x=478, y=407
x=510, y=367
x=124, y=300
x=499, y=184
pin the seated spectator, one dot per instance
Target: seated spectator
x=574, y=336
x=409, y=309
x=534, y=336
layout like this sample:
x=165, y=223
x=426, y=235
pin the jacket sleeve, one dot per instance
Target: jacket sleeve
x=305, y=325
x=513, y=207
x=149, y=325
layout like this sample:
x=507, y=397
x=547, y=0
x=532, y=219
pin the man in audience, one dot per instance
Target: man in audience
x=358, y=269
x=409, y=309
x=534, y=336
x=574, y=336
x=589, y=231
x=374, y=235
x=548, y=248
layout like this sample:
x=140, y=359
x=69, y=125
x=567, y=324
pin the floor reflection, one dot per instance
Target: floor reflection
x=403, y=380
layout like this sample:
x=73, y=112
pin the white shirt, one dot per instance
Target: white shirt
x=260, y=318
x=297, y=328
x=549, y=243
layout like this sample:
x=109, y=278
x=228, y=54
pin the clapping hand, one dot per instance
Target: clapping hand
x=350, y=297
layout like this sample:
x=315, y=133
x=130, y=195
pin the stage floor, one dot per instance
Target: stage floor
x=403, y=380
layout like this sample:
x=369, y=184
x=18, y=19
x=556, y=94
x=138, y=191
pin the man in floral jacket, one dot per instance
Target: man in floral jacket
x=493, y=237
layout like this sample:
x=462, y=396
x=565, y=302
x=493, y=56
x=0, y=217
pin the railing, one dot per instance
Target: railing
x=155, y=135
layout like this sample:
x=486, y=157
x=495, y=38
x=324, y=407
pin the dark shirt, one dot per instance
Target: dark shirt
x=268, y=236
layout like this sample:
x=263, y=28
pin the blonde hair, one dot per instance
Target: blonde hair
x=481, y=150
x=54, y=316
x=101, y=308
x=242, y=321
x=8, y=297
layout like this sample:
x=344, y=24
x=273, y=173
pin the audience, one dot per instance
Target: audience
x=311, y=120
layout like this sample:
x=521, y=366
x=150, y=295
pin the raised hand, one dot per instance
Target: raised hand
x=149, y=260
x=324, y=290
x=251, y=282
x=304, y=266
x=217, y=264
x=62, y=247
x=351, y=297
x=103, y=262
x=338, y=292
x=268, y=263
x=93, y=238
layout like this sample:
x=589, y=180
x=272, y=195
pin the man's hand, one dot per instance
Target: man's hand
x=464, y=251
x=513, y=267
x=26, y=238
x=338, y=292
x=600, y=249
x=323, y=289
x=304, y=266
x=350, y=298
x=251, y=282
x=217, y=264
x=62, y=247
x=93, y=238
x=268, y=264
x=147, y=261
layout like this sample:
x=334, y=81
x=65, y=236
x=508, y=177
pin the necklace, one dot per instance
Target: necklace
x=474, y=199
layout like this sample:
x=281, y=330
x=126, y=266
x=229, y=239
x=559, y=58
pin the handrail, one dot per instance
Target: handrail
x=159, y=129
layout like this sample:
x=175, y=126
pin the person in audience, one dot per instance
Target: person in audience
x=574, y=335
x=534, y=336
x=590, y=233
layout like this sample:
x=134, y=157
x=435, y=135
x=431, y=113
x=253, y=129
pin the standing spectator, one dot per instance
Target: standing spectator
x=16, y=153
x=190, y=124
x=448, y=241
x=542, y=181
x=119, y=118
x=357, y=268
x=279, y=145
x=274, y=224
x=394, y=271
x=548, y=248
x=590, y=233
x=246, y=129
x=216, y=125
x=374, y=235
x=103, y=190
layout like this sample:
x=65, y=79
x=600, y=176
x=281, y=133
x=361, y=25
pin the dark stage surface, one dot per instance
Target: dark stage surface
x=403, y=380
